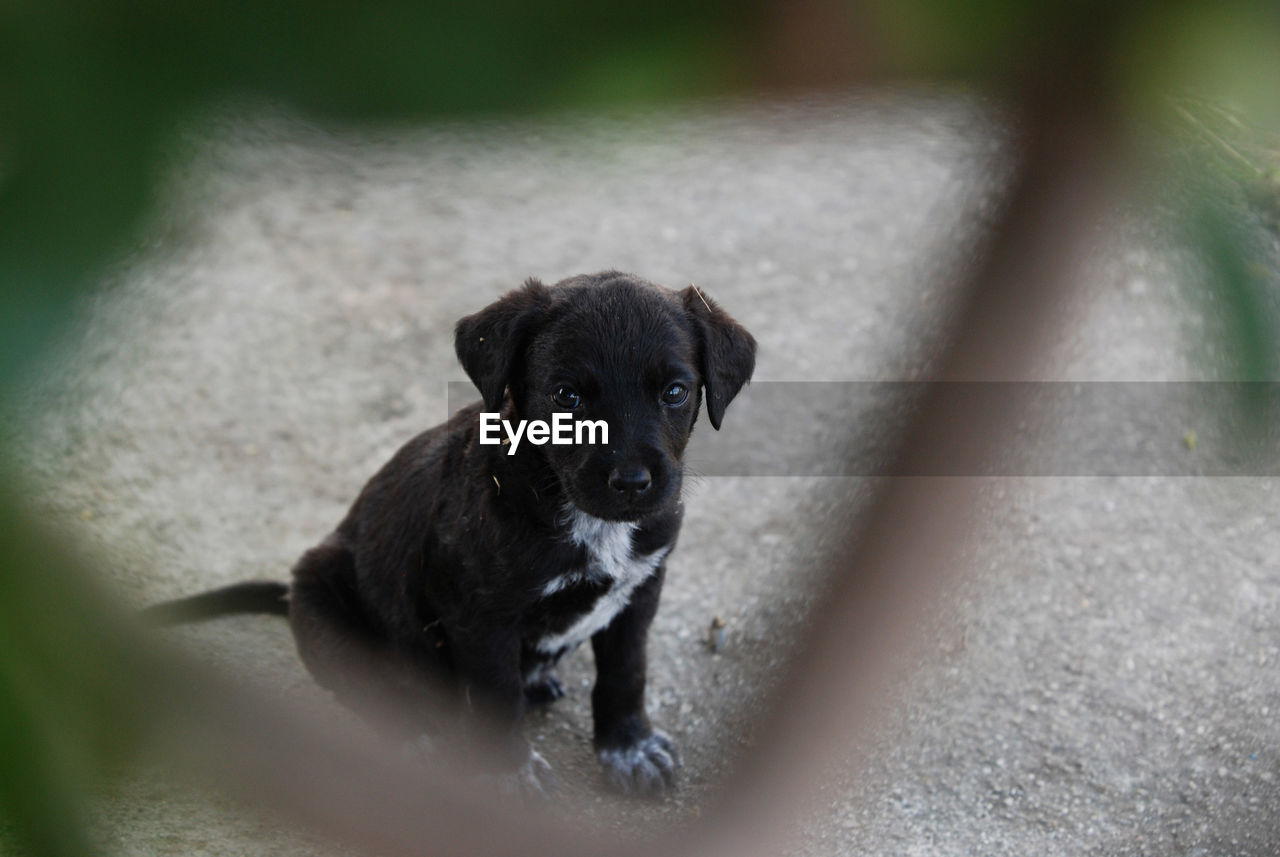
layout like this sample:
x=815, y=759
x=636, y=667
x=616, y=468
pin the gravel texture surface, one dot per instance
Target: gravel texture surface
x=1103, y=674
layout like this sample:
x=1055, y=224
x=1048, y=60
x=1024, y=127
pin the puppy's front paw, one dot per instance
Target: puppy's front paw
x=645, y=767
x=544, y=691
x=534, y=780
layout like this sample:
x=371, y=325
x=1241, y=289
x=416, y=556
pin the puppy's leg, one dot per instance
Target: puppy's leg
x=489, y=665
x=541, y=685
x=344, y=650
x=637, y=758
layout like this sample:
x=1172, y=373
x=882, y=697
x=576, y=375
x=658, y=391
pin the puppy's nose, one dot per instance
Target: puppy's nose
x=633, y=479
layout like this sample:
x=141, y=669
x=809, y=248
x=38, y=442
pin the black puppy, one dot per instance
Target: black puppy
x=463, y=566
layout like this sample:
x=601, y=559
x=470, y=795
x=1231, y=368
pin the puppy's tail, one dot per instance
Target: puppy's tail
x=258, y=596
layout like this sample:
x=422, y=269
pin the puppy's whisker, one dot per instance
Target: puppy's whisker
x=692, y=472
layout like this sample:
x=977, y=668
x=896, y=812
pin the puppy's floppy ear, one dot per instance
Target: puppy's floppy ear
x=490, y=342
x=726, y=352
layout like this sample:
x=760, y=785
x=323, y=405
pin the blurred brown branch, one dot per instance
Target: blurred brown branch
x=897, y=567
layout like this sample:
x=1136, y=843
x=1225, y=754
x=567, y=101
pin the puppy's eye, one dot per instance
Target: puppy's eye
x=675, y=395
x=566, y=397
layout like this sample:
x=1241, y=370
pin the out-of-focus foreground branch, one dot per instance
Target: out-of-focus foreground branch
x=888, y=576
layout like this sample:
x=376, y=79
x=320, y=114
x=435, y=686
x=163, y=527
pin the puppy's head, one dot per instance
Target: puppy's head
x=610, y=347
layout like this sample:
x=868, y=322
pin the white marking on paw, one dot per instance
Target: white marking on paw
x=532, y=780
x=536, y=771
x=609, y=557
x=537, y=673
x=647, y=766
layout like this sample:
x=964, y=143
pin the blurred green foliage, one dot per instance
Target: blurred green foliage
x=71, y=687
x=1239, y=286
x=91, y=92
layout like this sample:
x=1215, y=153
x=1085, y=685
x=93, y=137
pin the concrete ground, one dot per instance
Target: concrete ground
x=1102, y=678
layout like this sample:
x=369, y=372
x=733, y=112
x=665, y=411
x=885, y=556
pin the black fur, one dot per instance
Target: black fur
x=457, y=567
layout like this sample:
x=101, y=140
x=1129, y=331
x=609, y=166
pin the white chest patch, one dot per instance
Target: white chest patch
x=609, y=557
